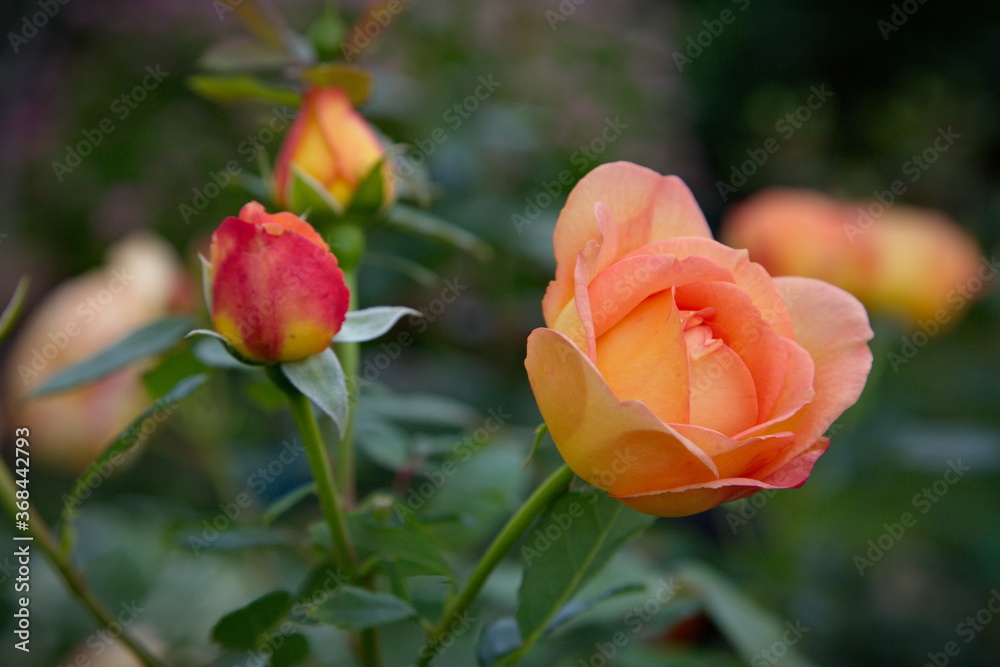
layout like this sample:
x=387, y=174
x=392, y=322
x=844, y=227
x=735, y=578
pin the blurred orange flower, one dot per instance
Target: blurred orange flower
x=907, y=262
x=141, y=282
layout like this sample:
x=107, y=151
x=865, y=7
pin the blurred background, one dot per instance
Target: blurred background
x=691, y=88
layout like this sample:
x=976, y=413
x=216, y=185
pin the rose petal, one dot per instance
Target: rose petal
x=696, y=498
x=255, y=213
x=619, y=446
x=658, y=375
x=738, y=322
x=832, y=326
x=276, y=297
x=645, y=206
x=623, y=285
x=723, y=395
x=752, y=278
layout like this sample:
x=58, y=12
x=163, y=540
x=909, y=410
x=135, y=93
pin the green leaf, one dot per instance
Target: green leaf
x=227, y=346
x=235, y=87
x=353, y=608
x=405, y=545
x=12, y=311
x=171, y=369
x=369, y=197
x=426, y=409
x=321, y=378
x=288, y=501
x=407, y=218
x=573, y=541
x=368, y=324
x=355, y=81
x=243, y=54
x=749, y=629
x=384, y=443
x=215, y=353
x=293, y=651
x=242, y=629
x=540, y=433
x=308, y=193
x=150, y=340
x=111, y=456
x=327, y=33
x=576, y=608
x=206, y=280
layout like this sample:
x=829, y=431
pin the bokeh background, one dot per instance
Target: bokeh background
x=565, y=77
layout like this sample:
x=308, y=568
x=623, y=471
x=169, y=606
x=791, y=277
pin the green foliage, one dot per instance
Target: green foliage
x=353, y=608
x=148, y=341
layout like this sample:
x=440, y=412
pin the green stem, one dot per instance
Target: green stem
x=326, y=486
x=518, y=524
x=350, y=361
x=43, y=537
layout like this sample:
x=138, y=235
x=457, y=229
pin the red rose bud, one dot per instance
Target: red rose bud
x=331, y=143
x=277, y=292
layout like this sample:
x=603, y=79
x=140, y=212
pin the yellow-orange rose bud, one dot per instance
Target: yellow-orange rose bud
x=277, y=291
x=675, y=373
x=926, y=268
x=904, y=261
x=333, y=144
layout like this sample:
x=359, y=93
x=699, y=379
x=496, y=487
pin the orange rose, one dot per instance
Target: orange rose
x=927, y=266
x=333, y=145
x=906, y=261
x=142, y=281
x=277, y=292
x=675, y=373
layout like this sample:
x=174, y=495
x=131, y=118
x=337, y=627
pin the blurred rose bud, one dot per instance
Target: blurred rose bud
x=927, y=266
x=277, y=291
x=142, y=281
x=674, y=372
x=335, y=148
x=905, y=262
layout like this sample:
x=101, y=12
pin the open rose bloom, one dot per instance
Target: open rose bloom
x=675, y=373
